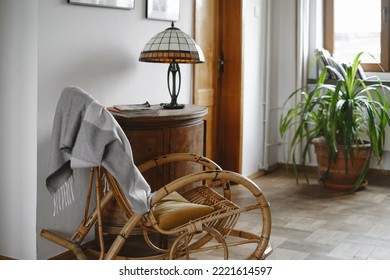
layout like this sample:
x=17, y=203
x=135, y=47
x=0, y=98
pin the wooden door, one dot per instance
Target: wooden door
x=206, y=74
x=218, y=82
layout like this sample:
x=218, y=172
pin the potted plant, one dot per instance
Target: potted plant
x=341, y=118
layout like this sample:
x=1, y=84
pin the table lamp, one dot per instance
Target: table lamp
x=172, y=46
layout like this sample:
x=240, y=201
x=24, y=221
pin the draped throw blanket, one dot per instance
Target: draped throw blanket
x=86, y=135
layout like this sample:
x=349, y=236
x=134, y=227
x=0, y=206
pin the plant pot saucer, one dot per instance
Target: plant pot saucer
x=342, y=188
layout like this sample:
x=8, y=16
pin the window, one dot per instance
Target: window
x=353, y=26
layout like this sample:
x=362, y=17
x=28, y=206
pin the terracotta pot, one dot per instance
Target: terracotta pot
x=338, y=178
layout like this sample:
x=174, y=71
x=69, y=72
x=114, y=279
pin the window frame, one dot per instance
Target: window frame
x=385, y=35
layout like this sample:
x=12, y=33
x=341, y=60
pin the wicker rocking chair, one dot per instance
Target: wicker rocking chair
x=203, y=218
x=194, y=213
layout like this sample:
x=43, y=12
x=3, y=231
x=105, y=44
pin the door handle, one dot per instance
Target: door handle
x=221, y=63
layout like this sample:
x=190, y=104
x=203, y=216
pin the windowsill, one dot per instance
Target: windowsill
x=385, y=81
x=383, y=76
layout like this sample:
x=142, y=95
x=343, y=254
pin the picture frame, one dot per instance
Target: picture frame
x=168, y=10
x=117, y=4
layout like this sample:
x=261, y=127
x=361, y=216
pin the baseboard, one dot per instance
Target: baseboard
x=68, y=255
x=264, y=172
x=4, y=258
x=372, y=171
x=314, y=169
x=256, y=174
x=273, y=167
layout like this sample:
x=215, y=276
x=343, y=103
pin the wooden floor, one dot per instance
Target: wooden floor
x=309, y=222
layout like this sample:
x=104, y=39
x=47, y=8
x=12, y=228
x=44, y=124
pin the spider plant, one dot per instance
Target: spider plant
x=345, y=113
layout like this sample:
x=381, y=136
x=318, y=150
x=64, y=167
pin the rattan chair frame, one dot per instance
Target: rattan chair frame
x=218, y=225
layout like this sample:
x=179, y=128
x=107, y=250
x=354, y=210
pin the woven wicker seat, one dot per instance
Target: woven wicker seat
x=214, y=227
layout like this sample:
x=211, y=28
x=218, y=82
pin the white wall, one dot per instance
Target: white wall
x=97, y=49
x=18, y=125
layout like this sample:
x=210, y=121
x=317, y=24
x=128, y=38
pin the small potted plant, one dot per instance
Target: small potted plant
x=345, y=119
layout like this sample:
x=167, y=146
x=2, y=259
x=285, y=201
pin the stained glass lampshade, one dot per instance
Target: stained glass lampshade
x=172, y=46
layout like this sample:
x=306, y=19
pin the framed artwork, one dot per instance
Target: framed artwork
x=118, y=4
x=163, y=9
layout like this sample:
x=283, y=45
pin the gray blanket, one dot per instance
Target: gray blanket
x=85, y=135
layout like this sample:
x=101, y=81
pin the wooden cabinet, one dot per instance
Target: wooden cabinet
x=159, y=131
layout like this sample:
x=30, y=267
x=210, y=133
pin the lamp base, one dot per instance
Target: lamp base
x=172, y=105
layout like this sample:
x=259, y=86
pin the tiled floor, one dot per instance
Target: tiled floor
x=309, y=222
